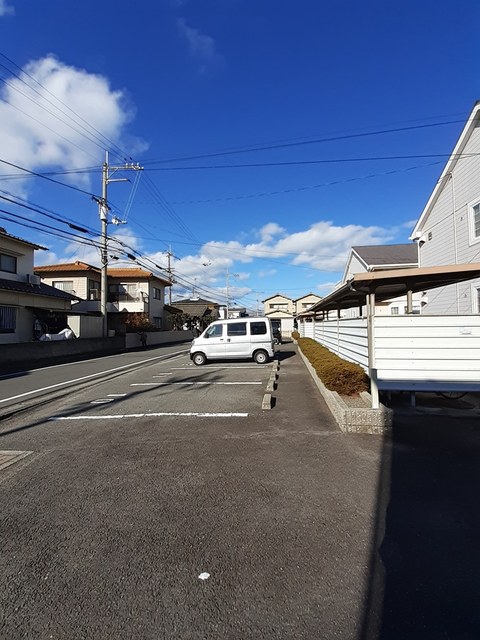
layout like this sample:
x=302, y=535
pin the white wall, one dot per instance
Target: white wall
x=415, y=352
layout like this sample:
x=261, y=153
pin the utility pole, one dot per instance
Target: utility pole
x=169, y=271
x=103, y=208
x=234, y=275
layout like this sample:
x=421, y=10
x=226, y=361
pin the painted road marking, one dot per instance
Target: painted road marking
x=122, y=416
x=209, y=368
x=92, y=375
x=9, y=457
x=102, y=401
x=165, y=384
x=116, y=395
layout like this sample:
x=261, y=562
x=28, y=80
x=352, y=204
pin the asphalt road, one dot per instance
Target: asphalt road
x=142, y=481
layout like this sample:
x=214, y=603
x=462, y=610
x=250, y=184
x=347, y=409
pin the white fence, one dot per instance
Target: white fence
x=418, y=352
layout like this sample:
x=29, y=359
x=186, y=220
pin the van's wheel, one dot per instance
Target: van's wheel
x=199, y=358
x=260, y=357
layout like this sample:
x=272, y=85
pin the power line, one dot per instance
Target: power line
x=313, y=162
x=285, y=145
x=306, y=188
x=40, y=175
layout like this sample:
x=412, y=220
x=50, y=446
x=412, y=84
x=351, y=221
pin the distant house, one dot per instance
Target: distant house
x=199, y=309
x=448, y=229
x=281, y=311
x=306, y=301
x=380, y=258
x=138, y=291
x=28, y=307
x=130, y=291
x=77, y=278
x=233, y=312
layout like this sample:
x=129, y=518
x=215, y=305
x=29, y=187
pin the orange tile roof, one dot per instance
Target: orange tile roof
x=129, y=273
x=67, y=266
x=134, y=273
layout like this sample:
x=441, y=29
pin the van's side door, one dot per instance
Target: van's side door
x=214, y=345
x=238, y=340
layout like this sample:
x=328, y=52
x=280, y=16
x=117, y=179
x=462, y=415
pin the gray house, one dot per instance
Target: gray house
x=448, y=230
x=385, y=257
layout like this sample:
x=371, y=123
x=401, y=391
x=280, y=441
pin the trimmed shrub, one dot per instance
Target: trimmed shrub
x=295, y=335
x=346, y=378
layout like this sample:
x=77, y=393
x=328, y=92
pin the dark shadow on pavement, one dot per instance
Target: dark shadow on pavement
x=425, y=566
x=284, y=353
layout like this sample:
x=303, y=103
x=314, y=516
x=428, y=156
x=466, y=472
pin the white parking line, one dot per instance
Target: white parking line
x=152, y=415
x=92, y=375
x=164, y=384
x=209, y=368
x=116, y=395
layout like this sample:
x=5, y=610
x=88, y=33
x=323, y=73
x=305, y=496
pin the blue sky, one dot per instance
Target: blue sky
x=344, y=113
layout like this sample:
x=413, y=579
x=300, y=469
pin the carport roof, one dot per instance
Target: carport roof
x=393, y=283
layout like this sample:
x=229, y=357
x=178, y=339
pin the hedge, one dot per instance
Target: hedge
x=346, y=378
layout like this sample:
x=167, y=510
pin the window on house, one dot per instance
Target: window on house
x=8, y=263
x=157, y=322
x=278, y=305
x=8, y=319
x=157, y=293
x=93, y=284
x=124, y=292
x=475, y=222
x=394, y=311
x=63, y=285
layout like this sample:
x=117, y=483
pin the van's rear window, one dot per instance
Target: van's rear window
x=258, y=328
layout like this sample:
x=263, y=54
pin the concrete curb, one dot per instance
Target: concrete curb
x=352, y=419
x=267, y=401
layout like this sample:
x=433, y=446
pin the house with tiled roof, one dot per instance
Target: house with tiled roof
x=28, y=307
x=281, y=311
x=204, y=311
x=78, y=278
x=130, y=291
x=383, y=257
x=305, y=302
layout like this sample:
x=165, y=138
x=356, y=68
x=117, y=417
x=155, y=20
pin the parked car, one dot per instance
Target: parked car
x=234, y=339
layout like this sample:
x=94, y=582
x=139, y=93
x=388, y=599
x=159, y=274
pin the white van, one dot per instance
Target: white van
x=234, y=338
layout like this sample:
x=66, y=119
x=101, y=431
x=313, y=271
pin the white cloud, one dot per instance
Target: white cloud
x=39, y=131
x=325, y=246
x=5, y=9
x=268, y=231
x=202, y=47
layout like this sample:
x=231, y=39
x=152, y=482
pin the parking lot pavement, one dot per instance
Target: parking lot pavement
x=108, y=525
x=176, y=387
x=273, y=524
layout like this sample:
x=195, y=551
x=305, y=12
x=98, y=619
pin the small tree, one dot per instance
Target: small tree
x=135, y=322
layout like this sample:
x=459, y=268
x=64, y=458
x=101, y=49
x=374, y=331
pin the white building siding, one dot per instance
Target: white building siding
x=447, y=226
x=355, y=266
